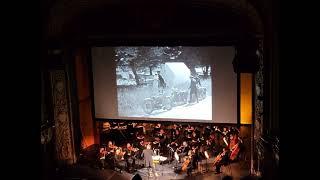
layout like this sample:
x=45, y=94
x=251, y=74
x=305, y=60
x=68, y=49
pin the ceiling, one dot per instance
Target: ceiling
x=116, y=18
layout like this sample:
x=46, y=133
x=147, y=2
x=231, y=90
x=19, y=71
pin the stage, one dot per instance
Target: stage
x=161, y=172
x=166, y=171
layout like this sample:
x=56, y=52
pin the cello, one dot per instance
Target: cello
x=218, y=158
x=186, y=164
x=234, y=147
x=234, y=152
x=187, y=161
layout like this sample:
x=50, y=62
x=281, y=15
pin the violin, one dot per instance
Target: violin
x=179, y=149
x=133, y=149
x=102, y=153
x=111, y=148
x=140, y=137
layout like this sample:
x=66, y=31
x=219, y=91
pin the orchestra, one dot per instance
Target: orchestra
x=186, y=145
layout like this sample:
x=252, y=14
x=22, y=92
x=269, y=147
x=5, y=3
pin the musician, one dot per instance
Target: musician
x=197, y=132
x=102, y=156
x=127, y=148
x=225, y=131
x=184, y=149
x=187, y=164
x=218, y=138
x=234, y=146
x=234, y=130
x=176, y=135
x=161, y=136
x=147, y=155
x=118, y=158
x=110, y=148
x=194, y=136
x=130, y=151
x=224, y=159
x=129, y=157
x=139, y=135
x=141, y=144
x=157, y=128
x=200, y=155
x=175, y=126
x=140, y=128
x=212, y=145
x=156, y=143
x=113, y=125
x=172, y=147
x=196, y=157
x=207, y=131
x=130, y=130
x=233, y=141
x=189, y=129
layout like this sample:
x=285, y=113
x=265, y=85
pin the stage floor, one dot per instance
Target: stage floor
x=161, y=172
x=166, y=172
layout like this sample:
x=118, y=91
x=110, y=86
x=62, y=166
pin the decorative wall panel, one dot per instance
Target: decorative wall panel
x=63, y=127
x=259, y=95
x=258, y=124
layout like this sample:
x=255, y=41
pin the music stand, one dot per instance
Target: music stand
x=171, y=153
x=177, y=159
x=159, y=159
x=207, y=157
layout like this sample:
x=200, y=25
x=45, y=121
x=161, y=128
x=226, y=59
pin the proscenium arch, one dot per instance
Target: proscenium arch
x=63, y=14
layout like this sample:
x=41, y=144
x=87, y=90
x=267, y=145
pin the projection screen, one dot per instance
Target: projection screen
x=182, y=83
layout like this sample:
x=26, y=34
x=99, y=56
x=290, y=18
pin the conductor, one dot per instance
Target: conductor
x=147, y=154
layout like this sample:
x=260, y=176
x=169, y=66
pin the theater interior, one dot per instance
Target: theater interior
x=193, y=81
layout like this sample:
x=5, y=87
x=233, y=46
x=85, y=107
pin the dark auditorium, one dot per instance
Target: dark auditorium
x=159, y=90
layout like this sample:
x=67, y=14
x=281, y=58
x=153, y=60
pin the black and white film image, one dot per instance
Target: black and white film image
x=164, y=82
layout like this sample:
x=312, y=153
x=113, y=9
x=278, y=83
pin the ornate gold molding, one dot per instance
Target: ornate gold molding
x=64, y=148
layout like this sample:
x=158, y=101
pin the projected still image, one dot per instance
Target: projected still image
x=163, y=82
